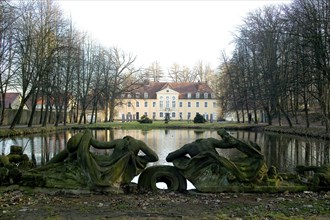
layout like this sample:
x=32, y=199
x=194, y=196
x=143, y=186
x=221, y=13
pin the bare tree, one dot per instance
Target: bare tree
x=229, y=96
x=203, y=71
x=36, y=45
x=97, y=84
x=311, y=20
x=7, y=19
x=174, y=72
x=85, y=76
x=123, y=77
x=154, y=72
x=281, y=61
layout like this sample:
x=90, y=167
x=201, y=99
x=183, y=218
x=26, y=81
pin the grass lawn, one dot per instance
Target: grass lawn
x=162, y=124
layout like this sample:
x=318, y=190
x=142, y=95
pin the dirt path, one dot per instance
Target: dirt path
x=164, y=205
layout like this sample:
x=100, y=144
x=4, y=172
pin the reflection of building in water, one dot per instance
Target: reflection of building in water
x=162, y=141
x=283, y=151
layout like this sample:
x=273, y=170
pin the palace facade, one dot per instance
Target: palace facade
x=176, y=100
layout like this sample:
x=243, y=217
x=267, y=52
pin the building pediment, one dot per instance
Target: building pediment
x=167, y=91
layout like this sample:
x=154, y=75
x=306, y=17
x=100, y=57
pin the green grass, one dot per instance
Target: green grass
x=162, y=124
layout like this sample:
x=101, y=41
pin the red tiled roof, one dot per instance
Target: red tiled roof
x=10, y=97
x=181, y=87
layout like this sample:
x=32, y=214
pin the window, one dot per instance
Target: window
x=137, y=104
x=180, y=104
x=153, y=115
x=129, y=95
x=188, y=95
x=189, y=115
x=214, y=104
x=146, y=113
x=180, y=114
x=122, y=95
x=129, y=104
x=189, y=104
x=197, y=104
x=145, y=95
x=205, y=104
x=206, y=95
x=173, y=114
x=212, y=95
x=137, y=95
x=161, y=114
x=145, y=104
x=167, y=104
x=161, y=104
x=173, y=104
x=197, y=95
x=154, y=104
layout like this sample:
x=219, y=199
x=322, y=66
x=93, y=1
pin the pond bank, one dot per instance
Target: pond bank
x=315, y=132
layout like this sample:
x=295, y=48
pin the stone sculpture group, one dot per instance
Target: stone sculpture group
x=77, y=167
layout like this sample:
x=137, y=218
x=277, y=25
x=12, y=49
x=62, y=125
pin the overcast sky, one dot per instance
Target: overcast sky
x=184, y=32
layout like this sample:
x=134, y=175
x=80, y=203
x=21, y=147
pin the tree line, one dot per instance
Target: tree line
x=44, y=56
x=280, y=64
x=201, y=72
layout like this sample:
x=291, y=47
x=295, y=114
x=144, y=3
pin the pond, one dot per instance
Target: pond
x=282, y=151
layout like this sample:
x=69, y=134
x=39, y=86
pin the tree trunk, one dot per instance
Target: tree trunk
x=44, y=123
x=3, y=103
x=34, y=105
x=18, y=116
x=19, y=112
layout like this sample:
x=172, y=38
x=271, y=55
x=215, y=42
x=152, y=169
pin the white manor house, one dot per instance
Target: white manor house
x=178, y=100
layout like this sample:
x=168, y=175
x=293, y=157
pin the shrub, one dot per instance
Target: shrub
x=199, y=118
x=145, y=120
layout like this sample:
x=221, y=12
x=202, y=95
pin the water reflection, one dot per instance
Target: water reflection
x=287, y=151
x=283, y=151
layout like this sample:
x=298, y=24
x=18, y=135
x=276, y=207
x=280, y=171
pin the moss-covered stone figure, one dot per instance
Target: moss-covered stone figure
x=210, y=172
x=321, y=176
x=12, y=165
x=78, y=167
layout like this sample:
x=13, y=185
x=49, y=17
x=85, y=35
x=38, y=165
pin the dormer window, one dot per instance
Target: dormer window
x=197, y=95
x=206, y=95
x=137, y=95
x=189, y=95
x=212, y=95
x=145, y=95
x=129, y=95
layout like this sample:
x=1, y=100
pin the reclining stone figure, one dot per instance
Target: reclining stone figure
x=116, y=170
x=200, y=163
